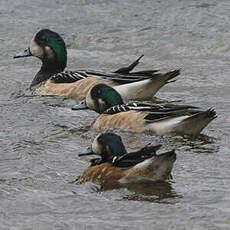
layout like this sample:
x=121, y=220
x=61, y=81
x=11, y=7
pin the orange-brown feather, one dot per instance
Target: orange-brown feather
x=130, y=120
x=103, y=174
x=106, y=174
x=76, y=90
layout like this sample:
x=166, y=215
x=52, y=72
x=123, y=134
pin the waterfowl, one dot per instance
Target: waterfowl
x=51, y=79
x=140, y=117
x=116, y=166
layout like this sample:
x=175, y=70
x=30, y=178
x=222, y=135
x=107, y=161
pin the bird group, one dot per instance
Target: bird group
x=113, y=95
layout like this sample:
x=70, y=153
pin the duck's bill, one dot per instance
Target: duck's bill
x=24, y=53
x=87, y=152
x=82, y=105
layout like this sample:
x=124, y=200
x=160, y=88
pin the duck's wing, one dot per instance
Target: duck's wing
x=117, y=109
x=132, y=106
x=171, y=111
x=73, y=76
x=130, y=77
x=124, y=75
x=128, y=69
x=155, y=111
x=133, y=158
x=120, y=76
x=158, y=107
x=68, y=77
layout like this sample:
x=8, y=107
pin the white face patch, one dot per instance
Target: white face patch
x=95, y=146
x=89, y=101
x=35, y=49
x=49, y=53
x=101, y=102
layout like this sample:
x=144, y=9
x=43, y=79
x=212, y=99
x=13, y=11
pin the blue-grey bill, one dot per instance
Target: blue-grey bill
x=80, y=106
x=24, y=53
x=86, y=152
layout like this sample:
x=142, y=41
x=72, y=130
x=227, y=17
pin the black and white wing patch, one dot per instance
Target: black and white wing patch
x=144, y=106
x=132, y=106
x=68, y=76
x=133, y=158
x=155, y=112
x=117, y=109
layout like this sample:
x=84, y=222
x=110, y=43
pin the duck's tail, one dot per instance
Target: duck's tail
x=146, y=89
x=156, y=168
x=171, y=75
x=194, y=124
x=126, y=70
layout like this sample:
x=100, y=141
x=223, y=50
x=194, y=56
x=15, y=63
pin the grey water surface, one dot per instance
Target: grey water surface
x=40, y=137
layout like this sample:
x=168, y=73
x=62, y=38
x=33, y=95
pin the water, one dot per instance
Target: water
x=41, y=137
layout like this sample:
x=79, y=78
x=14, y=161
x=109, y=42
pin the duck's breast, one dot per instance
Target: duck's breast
x=76, y=90
x=103, y=174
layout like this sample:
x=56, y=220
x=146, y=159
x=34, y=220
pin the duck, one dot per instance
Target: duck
x=53, y=79
x=137, y=117
x=115, y=166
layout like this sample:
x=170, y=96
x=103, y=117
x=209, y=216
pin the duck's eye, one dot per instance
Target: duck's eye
x=99, y=91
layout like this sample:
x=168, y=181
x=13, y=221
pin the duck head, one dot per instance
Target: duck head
x=100, y=98
x=50, y=48
x=106, y=145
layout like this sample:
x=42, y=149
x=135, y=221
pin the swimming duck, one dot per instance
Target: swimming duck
x=51, y=79
x=115, y=165
x=140, y=117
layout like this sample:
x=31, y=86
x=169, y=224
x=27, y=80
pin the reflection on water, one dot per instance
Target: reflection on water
x=161, y=192
x=200, y=144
